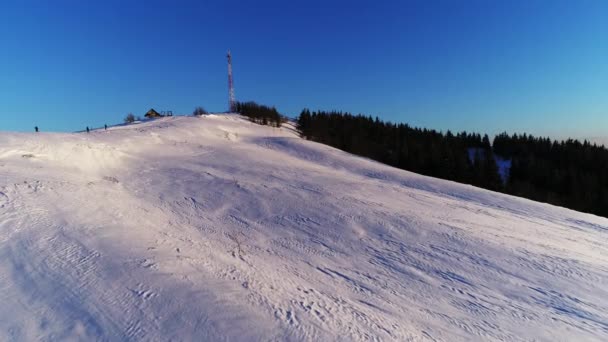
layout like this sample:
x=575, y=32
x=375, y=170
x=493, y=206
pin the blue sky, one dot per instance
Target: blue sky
x=487, y=66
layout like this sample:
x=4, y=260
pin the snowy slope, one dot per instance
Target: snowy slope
x=216, y=229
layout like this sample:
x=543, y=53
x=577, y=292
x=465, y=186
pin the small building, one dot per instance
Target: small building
x=152, y=114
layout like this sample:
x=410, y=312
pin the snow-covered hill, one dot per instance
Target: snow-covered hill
x=214, y=228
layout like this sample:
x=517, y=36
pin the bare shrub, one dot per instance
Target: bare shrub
x=238, y=239
x=130, y=118
x=198, y=111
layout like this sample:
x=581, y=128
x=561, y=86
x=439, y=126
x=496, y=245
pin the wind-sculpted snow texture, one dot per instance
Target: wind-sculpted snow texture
x=214, y=228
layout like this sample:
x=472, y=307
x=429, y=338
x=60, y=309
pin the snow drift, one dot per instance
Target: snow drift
x=215, y=229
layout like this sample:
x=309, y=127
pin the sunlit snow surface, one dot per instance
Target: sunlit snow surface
x=214, y=228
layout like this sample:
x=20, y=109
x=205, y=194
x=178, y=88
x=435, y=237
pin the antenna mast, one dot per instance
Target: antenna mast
x=232, y=101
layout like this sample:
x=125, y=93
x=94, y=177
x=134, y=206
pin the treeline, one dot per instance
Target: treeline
x=462, y=157
x=559, y=173
x=260, y=114
x=568, y=173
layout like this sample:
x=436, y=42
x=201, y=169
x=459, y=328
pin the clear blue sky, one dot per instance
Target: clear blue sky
x=488, y=66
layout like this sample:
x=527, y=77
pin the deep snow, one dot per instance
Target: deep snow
x=215, y=229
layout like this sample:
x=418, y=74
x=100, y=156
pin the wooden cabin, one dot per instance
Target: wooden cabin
x=152, y=114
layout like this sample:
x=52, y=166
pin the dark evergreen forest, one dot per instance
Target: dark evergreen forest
x=260, y=114
x=568, y=173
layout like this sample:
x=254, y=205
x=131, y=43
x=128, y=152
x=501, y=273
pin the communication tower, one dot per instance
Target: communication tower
x=231, y=99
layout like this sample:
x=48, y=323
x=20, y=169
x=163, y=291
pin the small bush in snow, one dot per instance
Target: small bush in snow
x=238, y=239
x=198, y=111
x=130, y=118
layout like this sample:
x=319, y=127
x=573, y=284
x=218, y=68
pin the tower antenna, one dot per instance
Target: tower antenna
x=231, y=100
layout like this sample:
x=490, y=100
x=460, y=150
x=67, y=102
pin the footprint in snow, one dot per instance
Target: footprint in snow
x=3, y=199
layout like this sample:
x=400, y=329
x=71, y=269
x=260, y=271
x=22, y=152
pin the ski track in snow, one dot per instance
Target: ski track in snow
x=218, y=229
